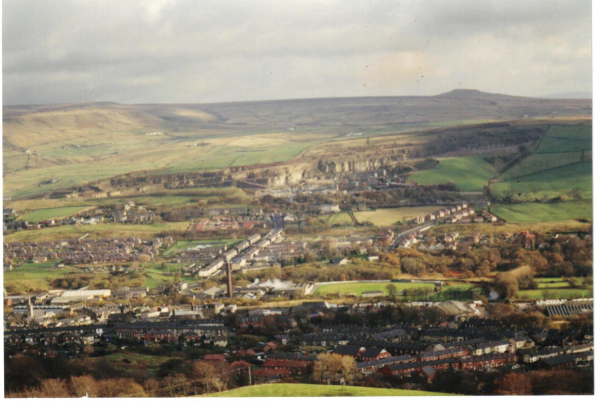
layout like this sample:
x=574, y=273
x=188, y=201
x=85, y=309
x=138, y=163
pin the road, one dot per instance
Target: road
x=405, y=233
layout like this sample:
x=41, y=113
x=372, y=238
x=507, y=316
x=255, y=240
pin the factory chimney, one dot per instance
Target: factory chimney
x=229, y=281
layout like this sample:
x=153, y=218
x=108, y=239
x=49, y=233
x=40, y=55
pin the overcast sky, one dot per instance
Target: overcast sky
x=155, y=51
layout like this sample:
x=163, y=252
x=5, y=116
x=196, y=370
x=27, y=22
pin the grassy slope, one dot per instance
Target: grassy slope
x=555, y=293
x=53, y=213
x=387, y=217
x=308, y=390
x=340, y=218
x=468, y=173
x=551, y=183
x=540, y=162
x=96, y=231
x=570, y=226
x=543, y=212
x=554, y=287
x=34, y=275
x=359, y=288
x=174, y=198
x=562, y=162
x=561, y=139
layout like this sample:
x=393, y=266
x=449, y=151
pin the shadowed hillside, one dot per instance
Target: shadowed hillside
x=25, y=126
x=50, y=147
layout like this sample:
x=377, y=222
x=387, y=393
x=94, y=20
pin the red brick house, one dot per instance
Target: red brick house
x=487, y=361
x=250, y=323
x=190, y=337
x=373, y=354
x=295, y=367
x=129, y=334
x=50, y=339
x=245, y=353
x=160, y=336
x=68, y=338
x=409, y=368
x=269, y=375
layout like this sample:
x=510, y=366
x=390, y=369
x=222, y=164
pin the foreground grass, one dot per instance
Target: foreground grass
x=309, y=390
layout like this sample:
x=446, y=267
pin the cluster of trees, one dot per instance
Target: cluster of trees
x=565, y=256
x=321, y=272
x=109, y=280
x=546, y=383
x=80, y=386
x=507, y=382
x=333, y=368
x=182, y=375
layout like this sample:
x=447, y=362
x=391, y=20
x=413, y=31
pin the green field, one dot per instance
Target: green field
x=339, y=218
x=174, y=198
x=562, y=139
x=33, y=276
x=51, y=213
x=550, y=183
x=359, y=288
x=109, y=230
x=555, y=287
x=541, y=162
x=468, y=173
x=561, y=163
x=387, y=217
x=555, y=293
x=310, y=390
x=543, y=212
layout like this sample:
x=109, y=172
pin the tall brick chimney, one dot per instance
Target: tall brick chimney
x=229, y=281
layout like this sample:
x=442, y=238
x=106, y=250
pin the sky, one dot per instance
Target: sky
x=189, y=51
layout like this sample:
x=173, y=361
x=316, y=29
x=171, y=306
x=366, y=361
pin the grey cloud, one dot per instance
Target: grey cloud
x=58, y=51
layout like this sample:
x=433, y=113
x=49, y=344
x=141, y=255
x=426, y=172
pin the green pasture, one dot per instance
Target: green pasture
x=543, y=212
x=51, y=213
x=34, y=276
x=567, y=293
x=108, y=230
x=339, y=218
x=541, y=162
x=551, y=183
x=561, y=139
x=468, y=173
x=388, y=217
x=360, y=288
